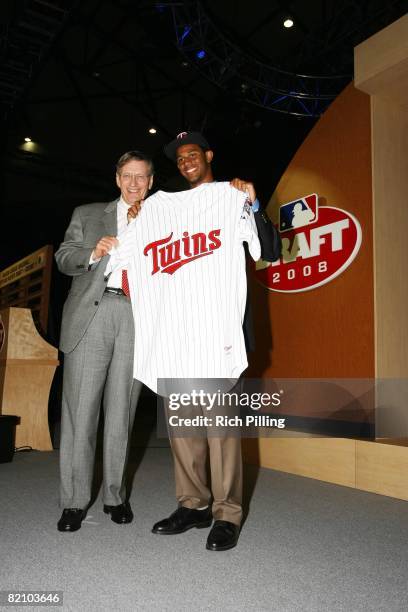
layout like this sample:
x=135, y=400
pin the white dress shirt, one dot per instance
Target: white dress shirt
x=115, y=279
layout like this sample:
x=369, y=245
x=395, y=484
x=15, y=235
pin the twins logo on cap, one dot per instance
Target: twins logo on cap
x=318, y=244
x=185, y=138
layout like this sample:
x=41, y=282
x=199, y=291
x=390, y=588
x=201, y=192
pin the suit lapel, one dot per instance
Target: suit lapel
x=110, y=218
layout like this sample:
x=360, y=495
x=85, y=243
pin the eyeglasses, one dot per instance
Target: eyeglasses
x=139, y=178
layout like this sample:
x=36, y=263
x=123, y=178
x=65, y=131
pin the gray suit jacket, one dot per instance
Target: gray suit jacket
x=88, y=224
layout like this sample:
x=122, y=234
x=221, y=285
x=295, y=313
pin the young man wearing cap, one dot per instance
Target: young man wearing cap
x=193, y=157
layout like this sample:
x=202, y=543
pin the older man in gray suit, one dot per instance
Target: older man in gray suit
x=97, y=339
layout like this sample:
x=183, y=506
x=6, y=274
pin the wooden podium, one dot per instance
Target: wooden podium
x=27, y=367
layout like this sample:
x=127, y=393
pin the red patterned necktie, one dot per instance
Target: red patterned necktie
x=125, y=283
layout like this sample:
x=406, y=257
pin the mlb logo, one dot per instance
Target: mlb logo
x=298, y=213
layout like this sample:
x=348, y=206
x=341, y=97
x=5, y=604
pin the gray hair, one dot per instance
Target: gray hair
x=134, y=155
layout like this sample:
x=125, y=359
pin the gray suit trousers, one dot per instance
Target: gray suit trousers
x=100, y=364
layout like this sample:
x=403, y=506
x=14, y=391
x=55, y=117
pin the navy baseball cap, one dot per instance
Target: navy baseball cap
x=185, y=138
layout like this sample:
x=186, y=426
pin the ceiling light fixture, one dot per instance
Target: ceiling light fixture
x=288, y=23
x=27, y=139
x=152, y=130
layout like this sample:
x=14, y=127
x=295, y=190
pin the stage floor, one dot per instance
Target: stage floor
x=305, y=545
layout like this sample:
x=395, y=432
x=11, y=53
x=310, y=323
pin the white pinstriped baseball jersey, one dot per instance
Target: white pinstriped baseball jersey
x=186, y=266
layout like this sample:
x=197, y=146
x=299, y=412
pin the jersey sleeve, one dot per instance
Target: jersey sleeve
x=248, y=232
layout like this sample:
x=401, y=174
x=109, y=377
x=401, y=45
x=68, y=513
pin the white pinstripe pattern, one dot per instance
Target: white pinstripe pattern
x=184, y=321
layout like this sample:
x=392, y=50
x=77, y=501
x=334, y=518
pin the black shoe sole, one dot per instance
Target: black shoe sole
x=221, y=548
x=197, y=526
x=107, y=511
x=70, y=530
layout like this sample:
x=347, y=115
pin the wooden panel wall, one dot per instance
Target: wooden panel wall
x=381, y=68
x=328, y=331
x=390, y=184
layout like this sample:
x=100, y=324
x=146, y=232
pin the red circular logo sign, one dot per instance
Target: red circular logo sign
x=313, y=254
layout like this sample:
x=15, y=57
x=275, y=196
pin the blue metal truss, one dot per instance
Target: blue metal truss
x=223, y=63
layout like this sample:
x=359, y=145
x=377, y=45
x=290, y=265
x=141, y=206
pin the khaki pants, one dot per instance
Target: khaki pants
x=190, y=464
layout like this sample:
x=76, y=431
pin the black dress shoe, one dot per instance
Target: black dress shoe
x=223, y=536
x=120, y=514
x=71, y=519
x=183, y=519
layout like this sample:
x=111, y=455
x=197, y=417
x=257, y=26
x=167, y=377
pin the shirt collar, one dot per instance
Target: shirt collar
x=122, y=204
